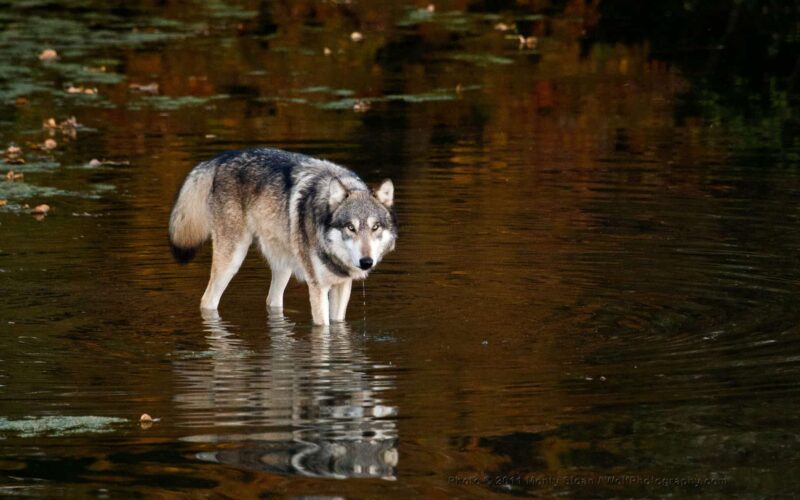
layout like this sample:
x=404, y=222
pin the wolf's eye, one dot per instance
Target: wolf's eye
x=376, y=226
x=351, y=227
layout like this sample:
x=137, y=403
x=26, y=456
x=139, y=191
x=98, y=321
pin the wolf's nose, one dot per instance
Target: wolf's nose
x=365, y=263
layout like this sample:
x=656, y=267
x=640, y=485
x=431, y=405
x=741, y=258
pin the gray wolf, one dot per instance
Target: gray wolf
x=311, y=218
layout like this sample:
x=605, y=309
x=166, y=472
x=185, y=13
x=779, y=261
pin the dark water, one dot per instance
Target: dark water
x=594, y=293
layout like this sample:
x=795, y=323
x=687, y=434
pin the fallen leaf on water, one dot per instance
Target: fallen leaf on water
x=70, y=122
x=529, y=42
x=146, y=421
x=69, y=127
x=49, y=123
x=48, y=54
x=356, y=36
x=430, y=8
x=3, y=203
x=94, y=162
x=50, y=144
x=326, y=51
x=14, y=176
x=81, y=90
x=502, y=27
x=41, y=209
x=151, y=88
x=361, y=106
x=14, y=156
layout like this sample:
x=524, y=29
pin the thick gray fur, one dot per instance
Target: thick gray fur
x=310, y=217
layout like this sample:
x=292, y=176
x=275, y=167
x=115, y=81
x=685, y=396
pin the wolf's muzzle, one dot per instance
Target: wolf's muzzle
x=365, y=263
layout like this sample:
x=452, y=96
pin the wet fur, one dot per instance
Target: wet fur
x=298, y=209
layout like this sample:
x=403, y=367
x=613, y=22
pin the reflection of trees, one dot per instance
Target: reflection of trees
x=306, y=406
x=742, y=57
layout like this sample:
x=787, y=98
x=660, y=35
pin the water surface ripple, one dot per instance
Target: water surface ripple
x=595, y=290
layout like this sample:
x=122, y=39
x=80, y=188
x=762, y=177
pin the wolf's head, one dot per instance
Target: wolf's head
x=363, y=227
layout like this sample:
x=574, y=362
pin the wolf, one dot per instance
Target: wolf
x=311, y=218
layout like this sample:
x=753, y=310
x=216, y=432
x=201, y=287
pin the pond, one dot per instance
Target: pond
x=595, y=292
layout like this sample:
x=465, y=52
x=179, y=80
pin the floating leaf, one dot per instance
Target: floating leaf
x=48, y=55
x=41, y=209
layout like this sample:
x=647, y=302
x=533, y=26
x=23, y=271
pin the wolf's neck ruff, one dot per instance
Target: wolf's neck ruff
x=311, y=218
x=334, y=264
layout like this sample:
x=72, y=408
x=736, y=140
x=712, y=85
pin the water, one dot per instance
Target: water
x=594, y=292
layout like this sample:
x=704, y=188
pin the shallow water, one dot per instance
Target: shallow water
x=594, y=292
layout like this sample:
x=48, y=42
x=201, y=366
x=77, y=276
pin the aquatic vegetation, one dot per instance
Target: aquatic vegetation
x=347, y=103
x=443, y=95
x=173, y=102
x=221, y=9
x=599, y=269
x=365, y=102
x=40, y=165
x=57, y=425
x=24, y=191
x=482, y=59
x=322, y=89
x=24, y=36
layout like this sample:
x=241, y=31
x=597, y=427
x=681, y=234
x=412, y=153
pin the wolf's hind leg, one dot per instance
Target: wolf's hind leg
x=320, y=307
x=280, y=278
x=340, y=296
x=229, y=253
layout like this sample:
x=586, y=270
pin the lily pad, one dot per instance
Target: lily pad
x=347, y=103
x=57, y=425
x=414, y=17
x=291, y=100
x=326, y=90
x=82, y=73
x=18, y=190
x=100, y=187
x=220, y=9
x=415, y=98
x=482, y=59
x=24, y=191
x=176, y=102
x=33, y=166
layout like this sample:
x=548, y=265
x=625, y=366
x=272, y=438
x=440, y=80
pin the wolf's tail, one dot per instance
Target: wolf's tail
x=190, y=221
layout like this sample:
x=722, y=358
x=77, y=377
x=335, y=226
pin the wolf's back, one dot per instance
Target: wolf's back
x=190, y=221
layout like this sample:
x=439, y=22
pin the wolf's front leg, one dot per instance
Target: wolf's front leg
x=320, y=309
x=340, y=296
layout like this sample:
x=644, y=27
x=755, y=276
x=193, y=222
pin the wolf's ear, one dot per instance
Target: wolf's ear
x=385, y=193
x=337, y=193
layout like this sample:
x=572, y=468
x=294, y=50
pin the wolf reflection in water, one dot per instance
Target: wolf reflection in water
x=308, y=405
